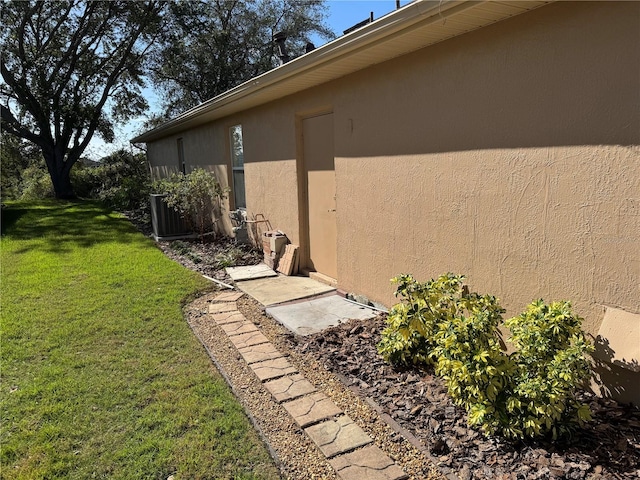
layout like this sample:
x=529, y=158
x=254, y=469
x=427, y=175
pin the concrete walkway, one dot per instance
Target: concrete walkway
x=303, y=305
x=282, y=289
x=347, y=447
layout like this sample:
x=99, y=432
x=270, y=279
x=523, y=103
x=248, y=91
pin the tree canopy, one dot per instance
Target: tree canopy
x=70, y=70
x=73, y=69
x=211, y=46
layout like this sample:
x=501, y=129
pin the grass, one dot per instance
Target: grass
x=101, y=375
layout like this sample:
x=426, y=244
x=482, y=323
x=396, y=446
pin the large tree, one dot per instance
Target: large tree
x=71, y=69
x=214, y=45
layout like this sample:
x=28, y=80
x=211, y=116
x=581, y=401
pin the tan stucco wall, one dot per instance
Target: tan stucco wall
x=515, y=160
x=204, y=147
x=510, y=154
x=551, y=222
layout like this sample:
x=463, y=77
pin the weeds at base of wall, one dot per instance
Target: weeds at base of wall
x=528, y=393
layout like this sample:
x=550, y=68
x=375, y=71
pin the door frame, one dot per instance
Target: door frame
x=303, y=197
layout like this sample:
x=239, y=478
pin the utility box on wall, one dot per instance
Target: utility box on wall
x=166, y=222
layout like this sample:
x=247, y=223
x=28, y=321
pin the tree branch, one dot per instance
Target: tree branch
x=11, y=124
x=24, y=96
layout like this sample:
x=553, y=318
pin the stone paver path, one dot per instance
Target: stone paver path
x=259, y=353
x=228, y=317
x=248, y=339
x=311, y=409
x=237, y=328
x=370, y=463
x=229, y=296
x=347, y=447
x=338, y=436
x=222, y=307
x=269, y=369
x=290, y=387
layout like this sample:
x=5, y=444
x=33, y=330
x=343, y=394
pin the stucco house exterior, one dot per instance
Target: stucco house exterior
x=500, y=140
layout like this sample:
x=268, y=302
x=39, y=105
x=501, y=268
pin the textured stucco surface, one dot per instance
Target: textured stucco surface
x=509, y=154
x=552, y=223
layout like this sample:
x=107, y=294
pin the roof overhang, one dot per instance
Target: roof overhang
x=415, y=26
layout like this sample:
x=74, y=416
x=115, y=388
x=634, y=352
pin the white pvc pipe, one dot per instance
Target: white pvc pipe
x=219, y=282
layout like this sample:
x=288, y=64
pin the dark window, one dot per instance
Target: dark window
x=237, y=166
x=182, y=165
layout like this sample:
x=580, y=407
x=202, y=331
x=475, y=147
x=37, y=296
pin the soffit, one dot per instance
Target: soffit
x=415, y=26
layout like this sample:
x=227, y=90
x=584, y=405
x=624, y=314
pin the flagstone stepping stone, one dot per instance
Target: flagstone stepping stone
x=311, y=408
x=289, y=387
x=222, y=307
x=259, y=353
x=238, y=328
x=270, y=369
x=369, y=462
x=248, y=339
x=228, y=297
x=338, y=436
x=228, y=317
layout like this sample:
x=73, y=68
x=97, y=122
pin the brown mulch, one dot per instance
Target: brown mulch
x=203, y=256
x=415, y=402
x=608, y=447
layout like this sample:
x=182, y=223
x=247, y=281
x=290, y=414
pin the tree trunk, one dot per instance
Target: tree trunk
x=59, y=171
x=62, y=187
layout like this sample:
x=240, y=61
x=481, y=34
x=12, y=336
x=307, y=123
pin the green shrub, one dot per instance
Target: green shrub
x=528, y=393
x=180, y=247
x=195, y=196
x=412, y=324
x=228, y=258
x=16, y=157
x=120, y=180
x=550, y=364
x=470, y=359
x=183, y=248
x=36, y=183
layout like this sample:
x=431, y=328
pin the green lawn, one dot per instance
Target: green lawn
x=101, y=375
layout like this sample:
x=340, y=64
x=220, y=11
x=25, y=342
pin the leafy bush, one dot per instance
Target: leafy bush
x=413, y=323
x=229, y=258
x=36, y=184
x=194, y=196
x=528, y=393
x=183, y=248
x=16, y=156
x=470, y=359
x=550, y=363
x=120, y=180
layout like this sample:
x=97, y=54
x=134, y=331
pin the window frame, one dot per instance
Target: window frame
x=182, y=163
x=237, y=167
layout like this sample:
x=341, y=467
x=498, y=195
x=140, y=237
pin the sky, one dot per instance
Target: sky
x=342, y=14
x=346, y=13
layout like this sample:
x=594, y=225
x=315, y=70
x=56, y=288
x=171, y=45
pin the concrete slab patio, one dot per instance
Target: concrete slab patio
x=274, y=290
x=313, y=315
x=250, y=272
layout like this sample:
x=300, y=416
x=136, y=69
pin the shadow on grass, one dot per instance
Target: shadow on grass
x=59, y=225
